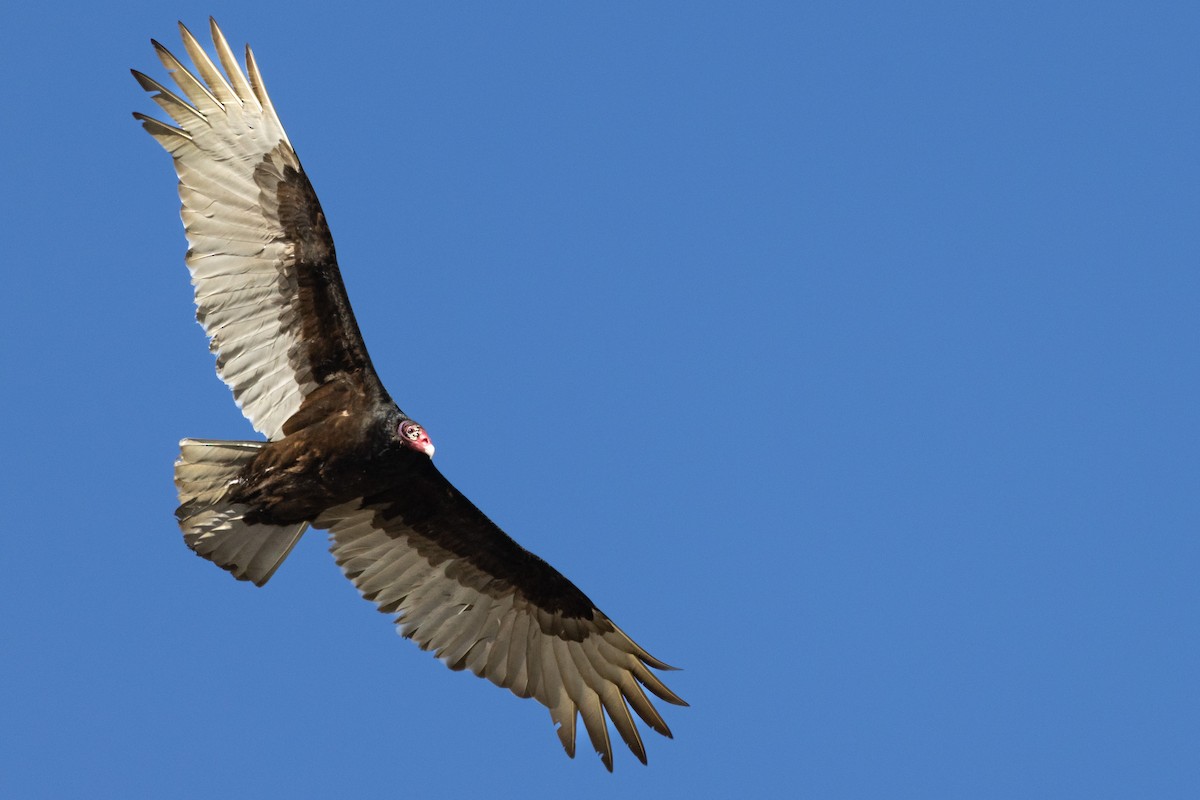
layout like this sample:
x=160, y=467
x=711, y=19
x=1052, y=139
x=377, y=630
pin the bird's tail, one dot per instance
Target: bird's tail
x=213, y=526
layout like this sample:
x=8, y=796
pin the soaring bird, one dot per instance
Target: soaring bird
x=339, y=454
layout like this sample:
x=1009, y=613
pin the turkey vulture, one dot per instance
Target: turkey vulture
x=339, y=454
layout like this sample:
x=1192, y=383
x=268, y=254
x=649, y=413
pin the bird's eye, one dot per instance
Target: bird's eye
x=412, y=431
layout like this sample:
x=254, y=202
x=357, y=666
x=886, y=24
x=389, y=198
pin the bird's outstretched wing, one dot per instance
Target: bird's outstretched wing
x=268, y=289
x=460, y=587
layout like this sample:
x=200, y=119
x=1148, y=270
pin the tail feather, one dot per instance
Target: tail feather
x=212, y=526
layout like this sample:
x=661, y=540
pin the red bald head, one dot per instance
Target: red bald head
x=414, y=436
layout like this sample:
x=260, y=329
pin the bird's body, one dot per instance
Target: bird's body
x=325, y=464
x=339, y=453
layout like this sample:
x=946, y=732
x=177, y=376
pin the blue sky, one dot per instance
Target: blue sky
x=845, y=354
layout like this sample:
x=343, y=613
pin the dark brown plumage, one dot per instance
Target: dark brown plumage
x=340, y=454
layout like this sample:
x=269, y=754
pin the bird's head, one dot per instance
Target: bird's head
x=414, y=436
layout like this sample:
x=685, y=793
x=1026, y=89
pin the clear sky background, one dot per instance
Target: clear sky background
x=845, y=354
